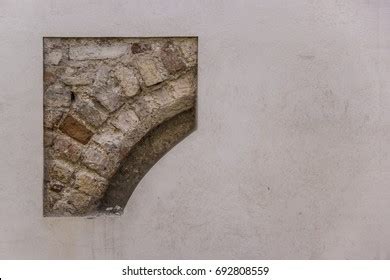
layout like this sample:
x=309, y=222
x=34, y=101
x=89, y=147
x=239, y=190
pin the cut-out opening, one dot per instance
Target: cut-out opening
x=112, y=108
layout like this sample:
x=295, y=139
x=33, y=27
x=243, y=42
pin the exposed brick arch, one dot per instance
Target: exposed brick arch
x=102, y=97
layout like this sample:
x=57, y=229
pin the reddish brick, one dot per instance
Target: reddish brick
x=76, y=129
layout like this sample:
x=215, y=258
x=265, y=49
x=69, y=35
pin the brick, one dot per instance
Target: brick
x=75, y=129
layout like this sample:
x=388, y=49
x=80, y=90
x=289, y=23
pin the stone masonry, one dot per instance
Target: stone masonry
x=101, y=97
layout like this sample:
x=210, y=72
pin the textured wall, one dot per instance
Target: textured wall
x=101, y=97
x=291, y=155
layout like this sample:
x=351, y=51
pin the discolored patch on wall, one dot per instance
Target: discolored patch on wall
x=112, y=108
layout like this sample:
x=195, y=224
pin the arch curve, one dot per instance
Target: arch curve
x=127, y=106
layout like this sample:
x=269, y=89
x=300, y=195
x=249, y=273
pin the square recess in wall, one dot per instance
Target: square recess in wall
x=112, y=108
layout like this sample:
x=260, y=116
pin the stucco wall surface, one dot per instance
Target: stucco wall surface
x=291, y=156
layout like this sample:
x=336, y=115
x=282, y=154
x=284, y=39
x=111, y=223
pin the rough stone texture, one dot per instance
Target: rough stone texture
x=128, y=80
x=140, y=47
x=90, y=183
x=52, y=117
x=53, y=57
x=66, y=148
x=78, y=79
x=126, y=119
x=102, y=97
x=57, y=96
x=111, y=98
x=89, y=111
x=94, y=51
x=60, y=171
x=171, y=59
x=97, y=159
x=149, y=69
x=189, y=49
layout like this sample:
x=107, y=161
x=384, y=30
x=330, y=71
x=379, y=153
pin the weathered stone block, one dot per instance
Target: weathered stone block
x=48, y=137
x=97, y=159
x=90, y=183
x=52, y=117
x=126, y=120
x=89, y=111
x=66, y=148
x=128, y=80
x=171, y=59
x=140, y=47
x=189, y=49
x=57, y=96
x=110, y=97
x=93, y=51
x=60, y=170
x=75, y=129
x=72, y=202
x=78, y=80
x=102, y=75
x=109, y=138
x=150, y=72
x=184, y=86
x=53, y=57
x=49, y=77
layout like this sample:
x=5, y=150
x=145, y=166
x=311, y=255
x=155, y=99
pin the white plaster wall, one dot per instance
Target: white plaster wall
x=291, y=158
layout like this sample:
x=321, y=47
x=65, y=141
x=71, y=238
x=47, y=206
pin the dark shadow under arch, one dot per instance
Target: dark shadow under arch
x=149, y=150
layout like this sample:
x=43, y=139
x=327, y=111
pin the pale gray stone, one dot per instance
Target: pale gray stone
x=93, y=51
x=109, y=138
x=89, y=112
x=183, y=86
x=102, y=76
x=53, y=57
x=110, y=97
x=127, y=80
x=126, y=120
x=78, y=80
x=57, y=96
x=149, y=70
